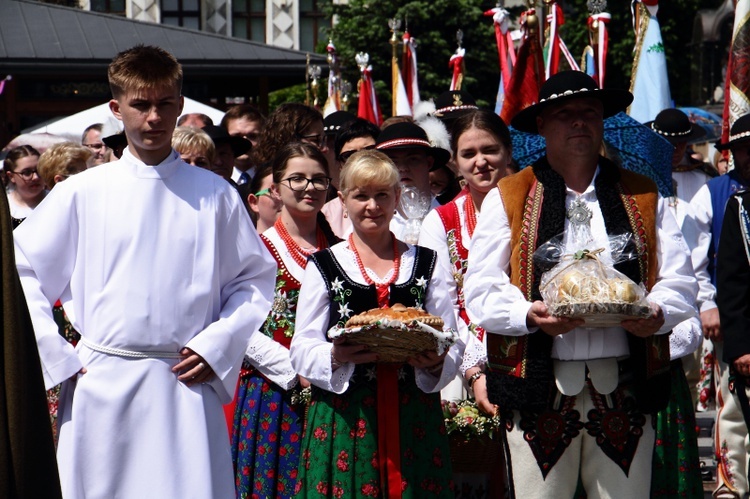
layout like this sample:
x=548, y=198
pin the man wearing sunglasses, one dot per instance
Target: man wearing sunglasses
x=352, y=137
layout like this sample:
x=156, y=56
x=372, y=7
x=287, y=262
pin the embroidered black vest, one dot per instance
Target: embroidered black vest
x=533, y=388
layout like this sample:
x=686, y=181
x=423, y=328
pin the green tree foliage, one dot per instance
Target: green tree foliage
x=362, y=25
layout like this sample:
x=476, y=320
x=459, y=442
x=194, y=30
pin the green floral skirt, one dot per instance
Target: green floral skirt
x=340, y=445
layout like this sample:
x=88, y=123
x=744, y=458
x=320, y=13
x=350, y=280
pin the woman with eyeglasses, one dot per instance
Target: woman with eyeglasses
x=267, y=428
x=481, y=147
x=24, y=186
x=373, y=429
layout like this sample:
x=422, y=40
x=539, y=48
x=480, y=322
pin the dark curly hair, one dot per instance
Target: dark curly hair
x=286, y=124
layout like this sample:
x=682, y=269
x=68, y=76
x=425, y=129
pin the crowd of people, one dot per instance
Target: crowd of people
x=188, y=281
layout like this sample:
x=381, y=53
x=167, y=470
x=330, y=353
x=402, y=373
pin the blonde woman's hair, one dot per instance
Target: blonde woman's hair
x=188, y=139
x=141, y=67
x=368, y=168
x=59, y=160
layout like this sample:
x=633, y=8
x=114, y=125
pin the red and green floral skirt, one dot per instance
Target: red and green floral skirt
x=340, y=445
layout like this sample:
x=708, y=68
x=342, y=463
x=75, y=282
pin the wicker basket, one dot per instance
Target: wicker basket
x=478, y=455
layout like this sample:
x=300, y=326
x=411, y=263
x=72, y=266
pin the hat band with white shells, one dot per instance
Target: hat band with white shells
x=454, y=108
x=670, y=134
x=567, y=93
x=403, y=142
x=739, y=136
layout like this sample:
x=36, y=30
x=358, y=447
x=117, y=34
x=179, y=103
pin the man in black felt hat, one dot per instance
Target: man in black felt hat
x=709, y=205
x=578, y=400
x=228, y=147
x=409, y=148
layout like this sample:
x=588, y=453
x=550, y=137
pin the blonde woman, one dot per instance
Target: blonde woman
x=358, y=403
x=62, y=161
x=194, y=146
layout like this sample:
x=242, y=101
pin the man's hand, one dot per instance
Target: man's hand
x=711, y=324
x=742, y=365
x=644, y=328
x=539, y=316
x=192, y=369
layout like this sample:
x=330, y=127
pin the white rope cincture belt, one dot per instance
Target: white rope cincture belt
x=130, y=354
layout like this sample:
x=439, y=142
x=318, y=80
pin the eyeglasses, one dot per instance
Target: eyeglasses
x=317, y=140
x=95, y=147
x=26, y=174
x=264, y=192
x=301, y=183
x=344, y=156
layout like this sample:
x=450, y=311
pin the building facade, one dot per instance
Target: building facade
x=289, y=24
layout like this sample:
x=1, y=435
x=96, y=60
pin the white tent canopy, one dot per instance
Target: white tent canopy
x=72, y=127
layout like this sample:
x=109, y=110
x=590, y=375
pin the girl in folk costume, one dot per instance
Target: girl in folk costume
x=373, y=429
x=481, y=148
x=267, y=426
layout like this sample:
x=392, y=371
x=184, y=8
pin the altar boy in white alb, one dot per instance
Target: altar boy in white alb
x=158, y=267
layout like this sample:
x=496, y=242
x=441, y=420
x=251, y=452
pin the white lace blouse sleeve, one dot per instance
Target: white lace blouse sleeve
x=310, y=350
x=272, y=360
x=676, y=288
x=441, y=300
x=685, y=339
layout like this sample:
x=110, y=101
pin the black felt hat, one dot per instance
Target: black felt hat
x=675, y=126
x=567, y=85
x=334, y=121
x=116, y=141
x=410, y=136
x=454, y=103
x=740, y=132
x=219, y=135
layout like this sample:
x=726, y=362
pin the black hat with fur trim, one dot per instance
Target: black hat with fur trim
x=410, y=136
x=334, y=121
x=675, y=126
x=567, y=85
x=740, y=132
x=219, y=135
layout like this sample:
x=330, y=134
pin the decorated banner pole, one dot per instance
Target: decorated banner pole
x=599, y=38
x=528, y=72
x=368, y=103
x=409, y=68
x=314, y=72
x=457, y=62
x=399, y=101
x=505, y=50
x=333, y=101
x=307, y=80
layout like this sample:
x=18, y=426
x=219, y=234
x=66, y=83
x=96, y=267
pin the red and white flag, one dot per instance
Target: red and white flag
x=456, y=63
x=599, y=38
x=528, y=72
x=369, y=108
x=409, y=70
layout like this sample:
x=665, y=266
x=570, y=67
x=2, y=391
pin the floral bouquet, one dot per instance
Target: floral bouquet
x=464, y=419
x=471, y=432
